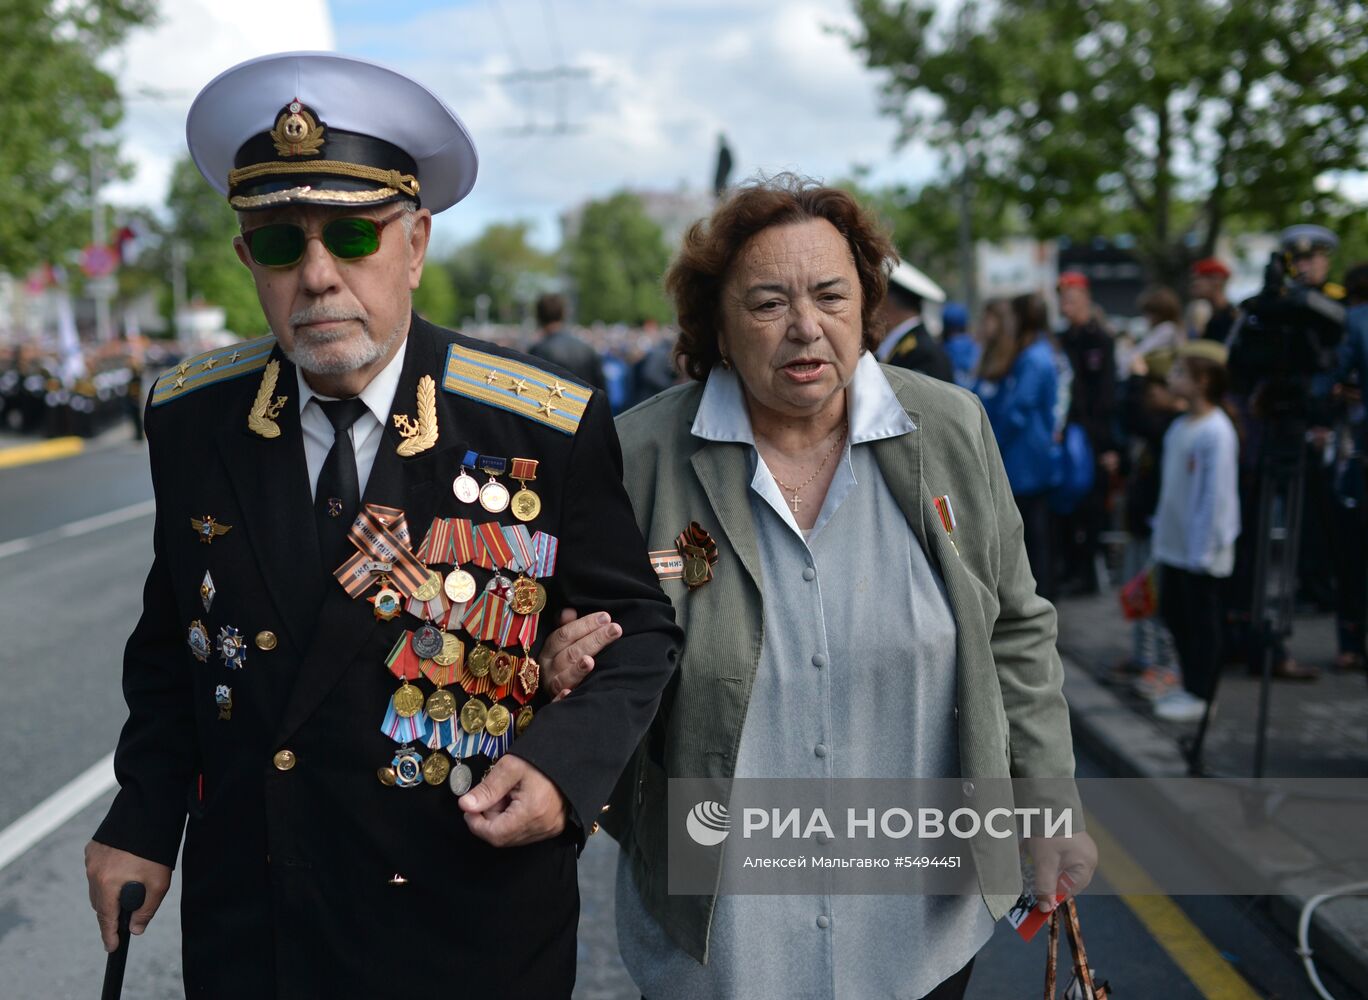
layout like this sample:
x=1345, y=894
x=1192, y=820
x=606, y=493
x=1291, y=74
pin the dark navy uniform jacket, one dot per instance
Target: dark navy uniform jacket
x=288, y=875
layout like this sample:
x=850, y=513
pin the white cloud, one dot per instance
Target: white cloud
x=665, y=79
x=161, y=69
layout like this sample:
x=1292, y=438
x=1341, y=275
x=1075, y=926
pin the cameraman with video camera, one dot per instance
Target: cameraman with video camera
x=1283, y=351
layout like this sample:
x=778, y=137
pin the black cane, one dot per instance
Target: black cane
x=131, y=898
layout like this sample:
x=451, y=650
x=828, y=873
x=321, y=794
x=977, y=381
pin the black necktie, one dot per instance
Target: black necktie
x=338, y=496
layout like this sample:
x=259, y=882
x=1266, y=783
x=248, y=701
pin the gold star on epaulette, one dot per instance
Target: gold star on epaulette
x=557, y=390
x=233, y=358
x=547, y=408
x=183, y=368
x=209, y=362
x=491, y=378
x=180, y=381
x=519, y=386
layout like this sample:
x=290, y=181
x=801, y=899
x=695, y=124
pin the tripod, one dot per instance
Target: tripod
x=1282, y=474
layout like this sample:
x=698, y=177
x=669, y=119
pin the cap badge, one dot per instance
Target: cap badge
x=297, y=132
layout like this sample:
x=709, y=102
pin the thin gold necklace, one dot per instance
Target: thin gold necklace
x=794, y=501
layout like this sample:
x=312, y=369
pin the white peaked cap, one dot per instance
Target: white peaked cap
x=910, y=279
x=360, y=99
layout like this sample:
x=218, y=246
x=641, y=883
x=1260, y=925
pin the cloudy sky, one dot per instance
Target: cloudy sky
x=656, y=83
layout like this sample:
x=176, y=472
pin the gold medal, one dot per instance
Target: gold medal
x=408, y=700
x=473, y=716
x=524, y=720
x=459, y=586
x=526, y=504
x=441, y=705
x=529, y=597
x=696, y=571
x=452, y=651
x=501, y=670
x=387, y=776
x=497, y=720
x=431, y=587
x=479, y=661
x=436, y=768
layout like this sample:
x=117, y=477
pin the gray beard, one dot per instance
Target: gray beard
x=315, y=353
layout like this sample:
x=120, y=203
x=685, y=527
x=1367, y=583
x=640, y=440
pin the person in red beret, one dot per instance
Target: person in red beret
x=1207, y=281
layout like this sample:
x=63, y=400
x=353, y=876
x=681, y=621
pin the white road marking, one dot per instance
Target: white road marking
x=56, y=809
x=75, y=529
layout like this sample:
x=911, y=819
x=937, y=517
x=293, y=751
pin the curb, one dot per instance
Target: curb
x=1131, y=746
x=40, y=451
x=33, y=452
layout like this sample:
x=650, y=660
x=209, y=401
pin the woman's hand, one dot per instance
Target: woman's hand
x=568, y=654
x=1052, y=856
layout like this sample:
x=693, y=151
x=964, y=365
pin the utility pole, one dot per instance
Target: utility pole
x=100, y=289
x=967, y=258
x=180, y=254
x=968, y=263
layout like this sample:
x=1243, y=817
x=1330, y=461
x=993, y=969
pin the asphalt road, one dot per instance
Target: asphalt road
x=66, y=606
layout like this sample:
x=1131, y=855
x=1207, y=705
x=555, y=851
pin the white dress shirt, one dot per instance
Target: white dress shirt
x=366, y=433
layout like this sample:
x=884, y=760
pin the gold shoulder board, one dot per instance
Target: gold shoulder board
x=515, y=386
x=218, y=365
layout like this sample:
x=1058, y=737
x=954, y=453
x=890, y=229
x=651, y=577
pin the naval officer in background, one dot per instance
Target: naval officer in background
x=909, y=343
x=334, y=675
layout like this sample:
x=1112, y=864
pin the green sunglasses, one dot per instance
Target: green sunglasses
x=282, y=244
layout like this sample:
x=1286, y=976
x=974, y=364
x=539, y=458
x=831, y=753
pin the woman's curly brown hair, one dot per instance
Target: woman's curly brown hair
x=694, y=281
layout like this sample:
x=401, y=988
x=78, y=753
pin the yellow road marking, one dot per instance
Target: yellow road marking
x=43, y=451
x=1180, y=938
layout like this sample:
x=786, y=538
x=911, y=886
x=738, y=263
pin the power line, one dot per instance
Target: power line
x=529, y=80
x=507, y=33
x=553, y=34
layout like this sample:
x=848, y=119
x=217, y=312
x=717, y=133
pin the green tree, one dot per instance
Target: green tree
x=435, y=299
x=923, y=222
x=616, y=259
x=57, y=104
x=502, y=264
x=1162, y=118
x=204, y=226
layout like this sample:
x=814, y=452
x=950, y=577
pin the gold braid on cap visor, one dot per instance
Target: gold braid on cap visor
x=405, y=183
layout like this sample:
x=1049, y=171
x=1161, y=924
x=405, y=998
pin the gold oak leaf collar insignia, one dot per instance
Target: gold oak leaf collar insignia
x=419, y=437
x=262, y=416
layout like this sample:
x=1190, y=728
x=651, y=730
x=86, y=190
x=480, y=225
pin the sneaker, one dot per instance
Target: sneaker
x=1156, y=682
x=1180, y=706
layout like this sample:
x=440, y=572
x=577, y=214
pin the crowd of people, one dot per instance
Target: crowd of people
x=43, y=394
x=1147, y=437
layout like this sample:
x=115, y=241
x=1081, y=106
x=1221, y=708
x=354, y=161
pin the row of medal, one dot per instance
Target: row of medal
x=500, y=620
x=231, y=646
x=493, y=496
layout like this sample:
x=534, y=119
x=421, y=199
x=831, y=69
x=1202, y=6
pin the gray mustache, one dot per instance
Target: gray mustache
x=323, y=314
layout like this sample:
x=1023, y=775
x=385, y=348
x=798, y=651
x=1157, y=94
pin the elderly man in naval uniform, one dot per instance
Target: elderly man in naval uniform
x=365, y=527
